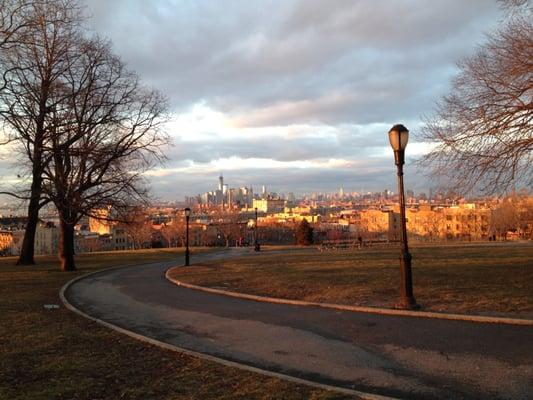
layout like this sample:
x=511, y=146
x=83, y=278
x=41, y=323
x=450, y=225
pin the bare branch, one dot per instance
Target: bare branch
x=107, y=132
x=482, y=131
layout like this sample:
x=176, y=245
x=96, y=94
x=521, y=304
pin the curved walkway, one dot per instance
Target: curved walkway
x=388, y=355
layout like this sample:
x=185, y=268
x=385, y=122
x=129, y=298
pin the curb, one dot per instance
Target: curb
x=369, y=310
x=167, y=346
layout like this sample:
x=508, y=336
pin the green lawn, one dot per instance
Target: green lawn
x=55, y=354
x=489, y=279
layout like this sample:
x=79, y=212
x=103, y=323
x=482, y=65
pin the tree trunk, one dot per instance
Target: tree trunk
x=28, y=243
x=27, y=249
x=66, y=246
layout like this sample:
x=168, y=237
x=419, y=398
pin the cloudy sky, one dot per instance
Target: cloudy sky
x=297, y=95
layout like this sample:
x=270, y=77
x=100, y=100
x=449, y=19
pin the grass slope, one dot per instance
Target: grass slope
x=491, y=279
x=55, y=354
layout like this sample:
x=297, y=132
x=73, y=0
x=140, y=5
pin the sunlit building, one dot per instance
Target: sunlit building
x=269, y=205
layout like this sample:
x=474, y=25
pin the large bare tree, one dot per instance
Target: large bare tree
x=106, y=135
x=34, y=59
x=13, y=20
x=482, y=130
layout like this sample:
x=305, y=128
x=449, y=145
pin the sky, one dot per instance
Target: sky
x=297, y=95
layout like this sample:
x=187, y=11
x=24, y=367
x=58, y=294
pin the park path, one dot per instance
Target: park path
x=397, y=356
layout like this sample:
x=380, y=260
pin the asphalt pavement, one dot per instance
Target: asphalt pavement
x=397, y=356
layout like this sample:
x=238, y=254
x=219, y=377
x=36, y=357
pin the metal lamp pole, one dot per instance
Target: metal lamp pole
x=256, y=241
x=398, y=137
x=187, y=216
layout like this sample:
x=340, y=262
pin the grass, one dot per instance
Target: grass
x=487, y=279
x=55, y=354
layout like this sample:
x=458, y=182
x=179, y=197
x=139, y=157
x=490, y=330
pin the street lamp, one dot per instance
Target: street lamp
x=398, y=137
x=187, y=216
x=256, y=241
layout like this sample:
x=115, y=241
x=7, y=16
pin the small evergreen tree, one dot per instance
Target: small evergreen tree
x=304, y=233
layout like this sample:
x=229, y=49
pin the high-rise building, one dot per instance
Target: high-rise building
x=220, y=182
x=250, y=196
x=291, y=197
x=231, y=197
x=219, y=197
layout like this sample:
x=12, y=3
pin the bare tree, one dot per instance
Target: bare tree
x=526, y=218
x=482, y=130
x=513, y=213
x=511, y=6
x=230, y=226
x=33, y=63
x=107, y=134
x=13, y=20
x=505, y=217
x=174, y=232
x=138, y=228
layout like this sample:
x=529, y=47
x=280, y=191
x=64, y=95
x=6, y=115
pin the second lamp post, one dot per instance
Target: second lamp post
x=398, y=137
x=256, y=240
x=187, y=216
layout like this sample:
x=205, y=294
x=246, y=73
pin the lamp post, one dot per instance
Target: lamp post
x=398, y=137
x=187, y=216
x=256, y=241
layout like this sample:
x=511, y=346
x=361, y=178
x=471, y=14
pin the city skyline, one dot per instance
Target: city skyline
x=226, y=193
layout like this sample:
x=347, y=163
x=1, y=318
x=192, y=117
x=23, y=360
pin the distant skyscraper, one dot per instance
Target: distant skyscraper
x=291, y=198
x=231, y=197
x=250, y=196
x=220, y=182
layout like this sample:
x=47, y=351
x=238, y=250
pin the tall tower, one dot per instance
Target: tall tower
x=220, y=182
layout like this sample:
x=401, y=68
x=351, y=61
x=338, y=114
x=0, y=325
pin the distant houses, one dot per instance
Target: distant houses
x=331, y=221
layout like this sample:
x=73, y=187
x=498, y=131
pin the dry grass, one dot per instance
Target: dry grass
x=58, y=355
x=490, y=279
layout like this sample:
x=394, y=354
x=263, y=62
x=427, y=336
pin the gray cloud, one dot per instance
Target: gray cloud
x=349, y=67
x=239, y=56
x=309, y=143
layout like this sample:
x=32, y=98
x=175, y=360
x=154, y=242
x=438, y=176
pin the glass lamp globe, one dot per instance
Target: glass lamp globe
x=398, y=137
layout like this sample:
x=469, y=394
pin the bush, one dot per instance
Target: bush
x=304, y=233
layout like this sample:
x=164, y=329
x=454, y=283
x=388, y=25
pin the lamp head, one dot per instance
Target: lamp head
x=398, y=137
x=187, y=212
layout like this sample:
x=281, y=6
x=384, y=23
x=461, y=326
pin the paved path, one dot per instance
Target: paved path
x=389, y=355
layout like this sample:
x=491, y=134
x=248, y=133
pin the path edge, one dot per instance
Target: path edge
x=178, y=349
x=360, y=309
